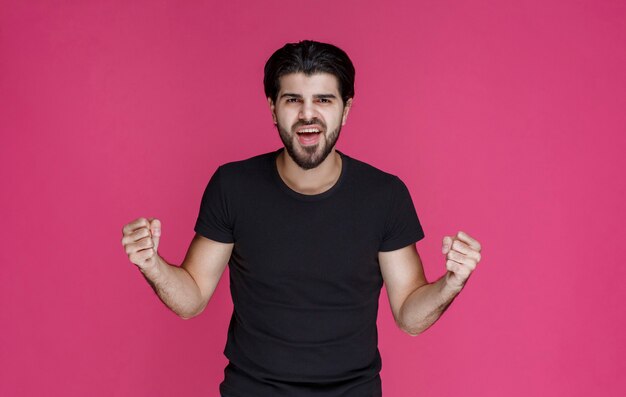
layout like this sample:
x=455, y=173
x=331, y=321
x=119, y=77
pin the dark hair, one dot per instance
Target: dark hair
x=309, y=57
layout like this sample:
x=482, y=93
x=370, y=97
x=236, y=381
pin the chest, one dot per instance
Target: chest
x=331, y=245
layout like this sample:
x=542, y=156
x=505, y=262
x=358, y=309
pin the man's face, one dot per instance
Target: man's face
x=309, y=113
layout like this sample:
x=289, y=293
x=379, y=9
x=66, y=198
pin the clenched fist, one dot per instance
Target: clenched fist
x=141, y=241
x=462, y=254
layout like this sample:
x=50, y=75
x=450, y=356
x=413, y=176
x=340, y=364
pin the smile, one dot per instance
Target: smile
x=309, y=136
x=313, y=128
x=309, y=131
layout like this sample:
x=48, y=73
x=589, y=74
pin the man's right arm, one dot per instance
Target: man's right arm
x=186, y=290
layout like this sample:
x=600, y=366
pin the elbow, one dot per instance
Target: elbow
x=405, y=326
x=412, y=332
x=193, y=310
x=186, y=315
x=416, y=330
x=409, y=330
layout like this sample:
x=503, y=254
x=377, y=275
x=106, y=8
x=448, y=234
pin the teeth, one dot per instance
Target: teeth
x=308, y=131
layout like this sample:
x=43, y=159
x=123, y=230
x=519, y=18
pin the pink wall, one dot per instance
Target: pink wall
x=505, y=119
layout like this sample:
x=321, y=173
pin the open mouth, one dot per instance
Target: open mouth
x=309, y=135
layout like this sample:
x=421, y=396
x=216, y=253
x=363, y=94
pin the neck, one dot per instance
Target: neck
x=314, y=181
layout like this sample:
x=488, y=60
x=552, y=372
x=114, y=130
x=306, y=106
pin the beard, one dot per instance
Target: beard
x=308, y=157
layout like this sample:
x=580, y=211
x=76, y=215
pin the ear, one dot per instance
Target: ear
x=346, y=110
x=272, y=109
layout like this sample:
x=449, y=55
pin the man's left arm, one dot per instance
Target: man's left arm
x=415, y=303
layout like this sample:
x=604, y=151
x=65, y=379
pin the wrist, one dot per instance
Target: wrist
x=450, y=285
x=153, y=268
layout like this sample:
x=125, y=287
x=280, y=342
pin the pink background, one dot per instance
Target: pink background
x=505, y=119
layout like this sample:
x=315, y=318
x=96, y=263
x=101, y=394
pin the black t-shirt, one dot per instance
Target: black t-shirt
x=304, y=275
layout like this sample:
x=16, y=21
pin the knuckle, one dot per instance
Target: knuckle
x=138, y=257
x=139, y=234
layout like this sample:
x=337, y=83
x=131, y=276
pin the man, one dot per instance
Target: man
x=310, y=235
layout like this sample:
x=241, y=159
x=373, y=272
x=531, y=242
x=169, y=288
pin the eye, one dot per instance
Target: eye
x=292, y=100
x=324, y=100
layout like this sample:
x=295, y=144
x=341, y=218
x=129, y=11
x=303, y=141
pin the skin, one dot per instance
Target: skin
x=303, y=98
x=415, y=303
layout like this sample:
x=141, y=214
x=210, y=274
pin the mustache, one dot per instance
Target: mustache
x=304, y=123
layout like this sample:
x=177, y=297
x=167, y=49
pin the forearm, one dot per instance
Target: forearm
x=425, y=305
x=176, y=288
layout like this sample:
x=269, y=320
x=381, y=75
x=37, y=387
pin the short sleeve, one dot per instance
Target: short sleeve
x=213, y=219
x=402, y=226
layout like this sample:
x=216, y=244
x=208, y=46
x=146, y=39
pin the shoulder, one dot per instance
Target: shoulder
x=259, y=163
x=364, y=174
x=249, y=171
x=244, y=176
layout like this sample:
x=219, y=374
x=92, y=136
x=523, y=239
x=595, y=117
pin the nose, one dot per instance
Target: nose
x=307, y=111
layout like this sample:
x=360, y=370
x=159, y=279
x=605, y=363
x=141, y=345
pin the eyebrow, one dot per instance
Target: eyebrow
x=317, y=96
